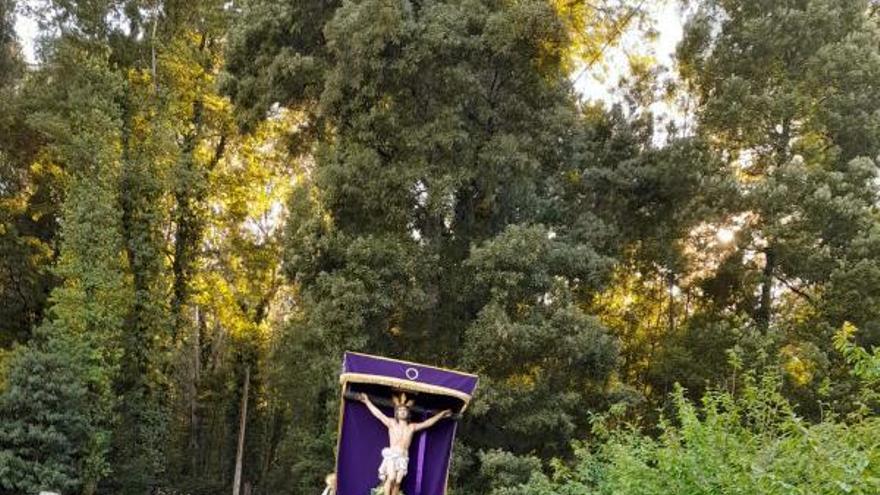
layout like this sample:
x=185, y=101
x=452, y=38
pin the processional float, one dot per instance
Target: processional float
x=378, y=381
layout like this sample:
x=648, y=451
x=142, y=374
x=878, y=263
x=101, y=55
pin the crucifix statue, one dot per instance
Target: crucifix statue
x=395, y=458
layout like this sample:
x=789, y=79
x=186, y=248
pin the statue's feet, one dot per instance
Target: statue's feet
x=380, y=490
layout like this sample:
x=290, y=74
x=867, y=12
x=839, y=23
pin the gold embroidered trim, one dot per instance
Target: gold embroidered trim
x=405, y=385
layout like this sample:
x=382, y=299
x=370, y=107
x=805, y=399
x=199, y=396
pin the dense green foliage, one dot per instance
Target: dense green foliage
x=201, y=198
x=753, y=443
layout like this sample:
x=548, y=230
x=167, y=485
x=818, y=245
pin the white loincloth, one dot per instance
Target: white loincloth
x=394, y=464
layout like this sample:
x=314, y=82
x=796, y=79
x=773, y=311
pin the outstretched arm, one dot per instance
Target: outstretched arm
x=373, y=409
x=432, y=420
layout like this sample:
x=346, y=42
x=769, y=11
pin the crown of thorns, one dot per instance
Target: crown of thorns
x=400, y=400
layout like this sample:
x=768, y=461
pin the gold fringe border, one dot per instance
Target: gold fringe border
x=405, y=385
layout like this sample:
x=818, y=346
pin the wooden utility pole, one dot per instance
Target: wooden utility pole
x=195, y=378
x=239, y=456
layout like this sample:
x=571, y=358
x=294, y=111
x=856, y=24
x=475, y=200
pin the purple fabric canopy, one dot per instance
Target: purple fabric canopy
x=362, y=437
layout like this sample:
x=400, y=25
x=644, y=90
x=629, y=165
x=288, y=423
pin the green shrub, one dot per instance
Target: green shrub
x=748, y=445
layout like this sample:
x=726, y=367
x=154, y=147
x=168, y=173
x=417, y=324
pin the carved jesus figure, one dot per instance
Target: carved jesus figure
x=395, y=458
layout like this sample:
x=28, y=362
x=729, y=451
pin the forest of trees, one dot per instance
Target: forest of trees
x=206, y=197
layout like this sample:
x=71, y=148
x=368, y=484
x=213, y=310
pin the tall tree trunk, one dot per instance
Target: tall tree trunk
x=670, y=316
x=765, y=310
x=187, y=196
x=764, y=307
x=239, y=456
